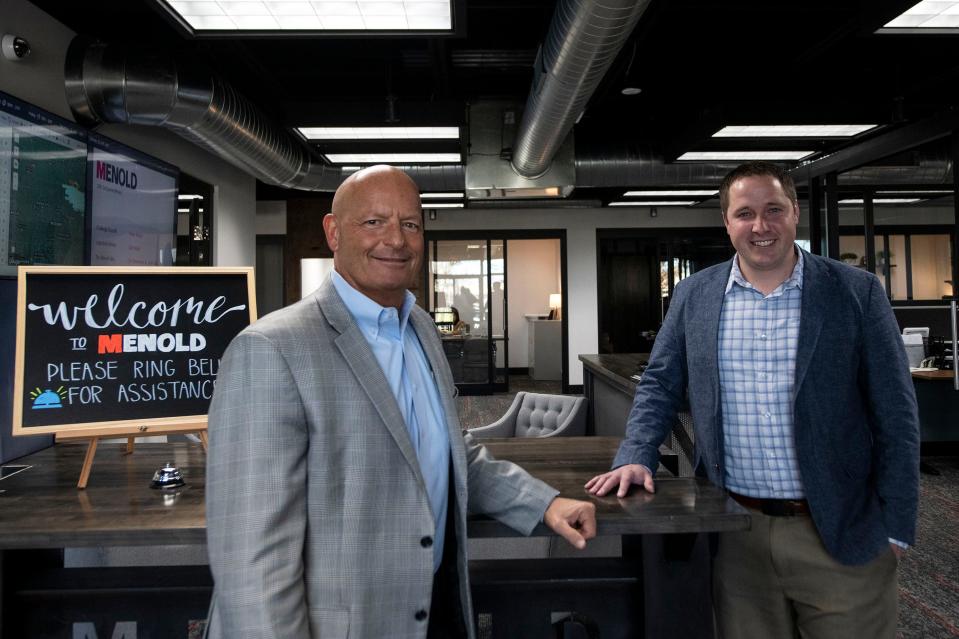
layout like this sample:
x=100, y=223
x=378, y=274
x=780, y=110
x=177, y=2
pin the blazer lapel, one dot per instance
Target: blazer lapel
x=358, y=354
x=815, y=308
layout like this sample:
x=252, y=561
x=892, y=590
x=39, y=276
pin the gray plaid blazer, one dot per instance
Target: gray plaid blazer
x=316, y=506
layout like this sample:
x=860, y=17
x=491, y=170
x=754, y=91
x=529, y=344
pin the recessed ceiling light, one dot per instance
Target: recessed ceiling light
x=928, y=16
x=655, y=203
x=437, y=196
x=883, y=200
x=631, y=90
x=289, y=15
x=923, y=191
x=189, y=197
x=793, y=131
x=394, y=158
x=687, y=193
x=380, y=132
x=737, y=156
x=443, y=205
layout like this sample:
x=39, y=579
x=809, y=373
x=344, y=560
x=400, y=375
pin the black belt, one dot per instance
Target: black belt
x=773, y=507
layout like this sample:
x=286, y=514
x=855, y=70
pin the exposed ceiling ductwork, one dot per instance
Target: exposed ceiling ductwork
x=111, y=84
x=583, y=40
x=617, y=165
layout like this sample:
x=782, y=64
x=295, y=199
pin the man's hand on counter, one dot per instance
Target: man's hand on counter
x=572, y=519
x=622, y=477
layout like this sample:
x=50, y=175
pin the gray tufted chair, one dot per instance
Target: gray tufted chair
x=538, y=415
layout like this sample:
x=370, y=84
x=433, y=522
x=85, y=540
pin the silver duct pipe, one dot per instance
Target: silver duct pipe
x=621, y=166
x=612, y=165
x=110, y=84
x=583, y=40
x=929, y=170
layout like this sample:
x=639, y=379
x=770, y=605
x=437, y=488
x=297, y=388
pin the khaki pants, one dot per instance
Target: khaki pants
x=777, y=581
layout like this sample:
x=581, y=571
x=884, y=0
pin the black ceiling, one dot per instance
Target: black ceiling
x=700, y=64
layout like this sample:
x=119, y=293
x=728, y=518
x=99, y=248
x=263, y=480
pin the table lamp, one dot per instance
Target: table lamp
x=556, y=305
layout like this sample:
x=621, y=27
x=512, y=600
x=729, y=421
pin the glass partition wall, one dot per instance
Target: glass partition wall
x=913, y=261
x=467, y=297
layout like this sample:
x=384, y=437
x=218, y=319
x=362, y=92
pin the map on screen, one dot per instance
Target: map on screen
x=43, y=181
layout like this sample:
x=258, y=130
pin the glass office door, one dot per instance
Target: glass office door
x=467, y=296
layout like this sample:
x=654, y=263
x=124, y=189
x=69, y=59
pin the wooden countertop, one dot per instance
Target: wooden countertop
x=617, y=368
x=680, y=505
x=41, y=507
x=933, y=375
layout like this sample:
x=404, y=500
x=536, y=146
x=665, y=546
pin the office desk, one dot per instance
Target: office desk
x=41, y=508
x=938, y=410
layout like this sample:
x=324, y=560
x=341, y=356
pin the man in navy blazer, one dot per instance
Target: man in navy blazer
x=804, y=410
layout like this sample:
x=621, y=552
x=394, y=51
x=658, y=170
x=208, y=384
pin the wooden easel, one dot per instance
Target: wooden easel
x=93, y=440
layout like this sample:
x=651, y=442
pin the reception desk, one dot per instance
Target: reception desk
x=609, y=383
x=658, y=588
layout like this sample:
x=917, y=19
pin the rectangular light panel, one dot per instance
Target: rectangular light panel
x=793, y=131
x=654, y=203
x=883, y=200
x=926, y=15
x=440, y=196
x=922, y=191
x=686, y=193
x=285, y=15
x=735, y=156
x=380, y=132
x=443, y=205
x=394, y=158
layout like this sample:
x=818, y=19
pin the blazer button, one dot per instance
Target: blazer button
x=420, y=615
x=426, y=542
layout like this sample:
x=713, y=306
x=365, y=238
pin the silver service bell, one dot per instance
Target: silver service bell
x=167, y=477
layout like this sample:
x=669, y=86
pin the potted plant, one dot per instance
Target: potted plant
x=882, y=257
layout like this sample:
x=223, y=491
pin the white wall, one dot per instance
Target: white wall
x=533, y=272
x=39, y=79
x=580, y=301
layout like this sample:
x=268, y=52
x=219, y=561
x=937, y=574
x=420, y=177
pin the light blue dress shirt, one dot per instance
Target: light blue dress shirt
x=758, y=339
x=400, y=355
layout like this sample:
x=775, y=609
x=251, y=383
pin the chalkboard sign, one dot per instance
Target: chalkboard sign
x=111, y=350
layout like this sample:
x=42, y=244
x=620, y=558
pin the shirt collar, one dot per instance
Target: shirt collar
x=370, y=316
x=794, y=280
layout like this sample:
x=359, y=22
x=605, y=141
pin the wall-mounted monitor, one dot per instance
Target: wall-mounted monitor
x=133, y=202
x=43, y=179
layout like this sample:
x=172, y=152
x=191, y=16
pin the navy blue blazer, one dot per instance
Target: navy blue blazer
x=856, y=419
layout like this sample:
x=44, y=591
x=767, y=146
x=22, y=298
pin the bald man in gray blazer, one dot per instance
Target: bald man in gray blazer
x=319, y=517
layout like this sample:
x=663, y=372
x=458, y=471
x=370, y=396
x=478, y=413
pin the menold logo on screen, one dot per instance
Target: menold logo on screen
x=116, y=175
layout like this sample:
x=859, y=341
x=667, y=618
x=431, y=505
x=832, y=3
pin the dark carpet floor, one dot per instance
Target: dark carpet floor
x=929, y=572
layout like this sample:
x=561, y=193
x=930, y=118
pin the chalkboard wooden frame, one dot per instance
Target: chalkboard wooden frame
x=118, y=427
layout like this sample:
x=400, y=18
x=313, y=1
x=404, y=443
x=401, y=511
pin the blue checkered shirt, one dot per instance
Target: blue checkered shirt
x=758, y=338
